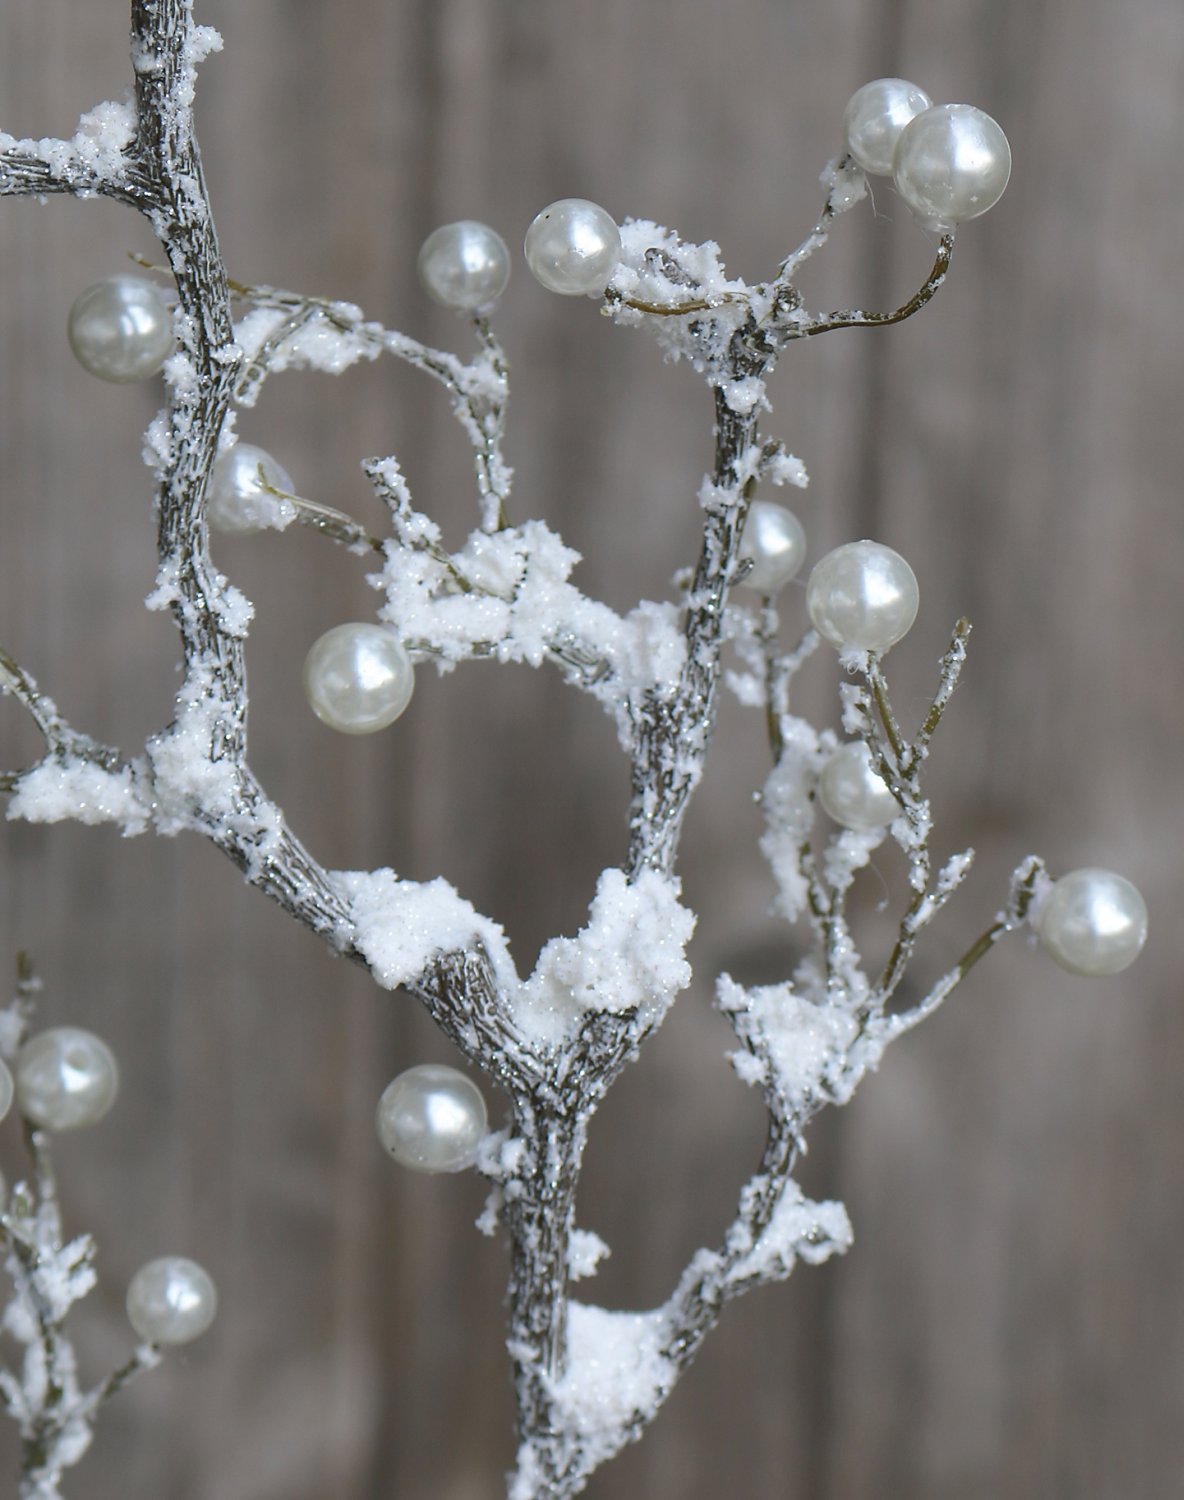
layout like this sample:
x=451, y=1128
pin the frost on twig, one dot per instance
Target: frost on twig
x=588, y=1379
x=48, y=1273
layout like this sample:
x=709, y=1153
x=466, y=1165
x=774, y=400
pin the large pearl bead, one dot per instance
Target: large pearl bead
x=432, y=1118
x=1093, y=922
x=358, y=678
x=465, y=265
x=862, y=597
x=775, y=543
x=875, y=116
x=237, y=500
x=171, y=1301
x=7, y=1088
x=853, y=791
x=951, y=163
x=65, y=1078
x=121, y=329
x=572, y=247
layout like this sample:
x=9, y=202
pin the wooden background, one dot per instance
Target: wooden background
x=1011, y=1321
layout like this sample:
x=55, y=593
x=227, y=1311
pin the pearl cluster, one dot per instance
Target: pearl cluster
x=949, y=162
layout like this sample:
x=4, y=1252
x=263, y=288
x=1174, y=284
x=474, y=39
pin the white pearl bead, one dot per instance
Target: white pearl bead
x=432, y=1118
x=774, y=540
x=7, y=1088
x=65, y=1078
x=875, y=116
x=465, y=265
x=862, y=597
x=572, y=247
x=171, y=1301
x=121, y=329
x=853, y=792
x=952, y=163
x=1093, y=922
x=236, y=500
x=358, y=678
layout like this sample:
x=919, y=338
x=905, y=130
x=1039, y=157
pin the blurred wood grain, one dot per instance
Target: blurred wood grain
x=1011, y=1320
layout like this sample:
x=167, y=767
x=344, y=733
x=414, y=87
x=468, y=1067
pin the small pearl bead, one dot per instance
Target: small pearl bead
x=121, y=329
x=876, y=114
x=65, y=1078
x=853, y=792
x=358, y=678
x=952, y=163
x=7, y=1088
x=236, y=500
x=465, y=265
x=862, y=597
x=171, y=1301
x=1093, y=922
x=432, y=1119
x=774, y=540
x=572, y=247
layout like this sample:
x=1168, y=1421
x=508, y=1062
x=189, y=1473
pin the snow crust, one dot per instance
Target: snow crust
x=76, y=789
x=616, y=1370
x=631, y=956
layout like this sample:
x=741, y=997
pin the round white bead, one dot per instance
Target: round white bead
x=465, y=265
x=7, y=1089
x=875, y=116
x=862, y=597
x=358, y=678
x=171, y=1301
x=1093, y=922
x=853, y=791
x=121, y=329
x=572, y=247
x=951, y=163
x=775, y=542
x=432, y=1118
x=237, y=500
x=65, y=1078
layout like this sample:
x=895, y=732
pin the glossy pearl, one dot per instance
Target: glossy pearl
x=951, y=163
x=1093, y=922
x=121, y=329
x=572, y=247
x=775, y=542
x=7, y=1089
x=171, y=1301
x=853, y=792
x=65, y=1078
x=432, y=1118
x=862, y=597
x=875, y=116
x=358, y=678
x=465, y=266
x=236, y=500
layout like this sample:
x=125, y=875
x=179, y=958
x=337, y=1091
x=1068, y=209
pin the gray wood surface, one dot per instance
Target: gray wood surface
x=1011, y=1320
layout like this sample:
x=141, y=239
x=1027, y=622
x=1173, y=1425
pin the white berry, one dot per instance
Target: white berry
x=853, y=791
x=432, y=1118
x=121, y=329
x=951, y=163
x=776, y=544
x=465, y=265
x=863, y=596
x=572, y=247
x=1093, y=922
x=358, y=678
x=65, y=1078
x=237, y=500
x=171, y=1301
x=875, y=116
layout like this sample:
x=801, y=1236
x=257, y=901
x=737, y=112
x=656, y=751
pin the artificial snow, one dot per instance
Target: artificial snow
x=631, y=956
x=78, y=789
x=615, y=1373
